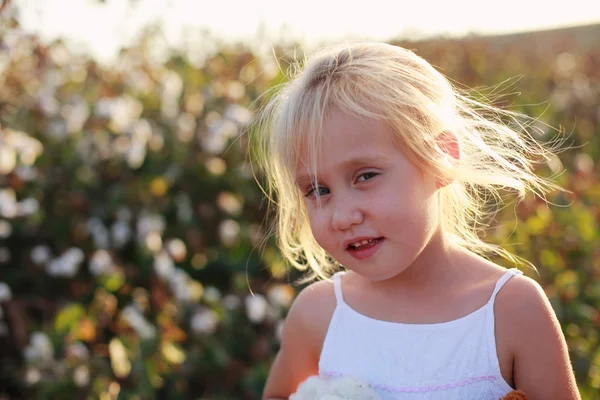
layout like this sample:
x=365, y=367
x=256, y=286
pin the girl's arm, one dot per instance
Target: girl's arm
x=301, y=342
x=541, y=369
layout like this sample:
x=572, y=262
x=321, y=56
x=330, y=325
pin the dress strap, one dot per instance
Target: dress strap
x=503, y=279
x=490, y=325
x=337, y=287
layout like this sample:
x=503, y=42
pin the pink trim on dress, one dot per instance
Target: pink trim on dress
x=425, y=388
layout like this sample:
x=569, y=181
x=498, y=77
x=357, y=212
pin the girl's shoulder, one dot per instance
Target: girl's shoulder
x=522, y=304
x=311, y=312
x=528, y=327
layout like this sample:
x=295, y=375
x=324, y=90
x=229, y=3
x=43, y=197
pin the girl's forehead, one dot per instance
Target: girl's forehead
x=345, y=141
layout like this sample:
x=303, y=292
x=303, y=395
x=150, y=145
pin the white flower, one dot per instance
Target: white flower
x=339, y=388
x=256, y=308
x=5, y=292
x=205, y=321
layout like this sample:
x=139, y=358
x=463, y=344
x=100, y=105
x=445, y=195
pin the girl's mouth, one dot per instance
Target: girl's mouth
x=365, y=248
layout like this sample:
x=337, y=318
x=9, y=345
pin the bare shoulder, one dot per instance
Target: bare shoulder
x=304, y=331
x=521, y=297
x=312, y=309
x=527, y=328
x=523, y=313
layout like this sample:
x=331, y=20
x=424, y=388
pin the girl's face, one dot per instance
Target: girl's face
x=377, y=210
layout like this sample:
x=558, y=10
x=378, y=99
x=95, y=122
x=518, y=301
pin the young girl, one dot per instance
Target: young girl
x=376, y=164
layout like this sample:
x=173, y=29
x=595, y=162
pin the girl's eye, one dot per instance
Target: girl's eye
x=317, y=192
x=367, y=176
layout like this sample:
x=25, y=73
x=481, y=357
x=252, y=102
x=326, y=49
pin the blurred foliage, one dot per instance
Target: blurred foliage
x=131, y=230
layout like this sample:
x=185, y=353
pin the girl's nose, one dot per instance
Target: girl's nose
x=345, y=215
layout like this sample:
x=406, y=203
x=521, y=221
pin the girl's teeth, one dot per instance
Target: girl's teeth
x=361, y=243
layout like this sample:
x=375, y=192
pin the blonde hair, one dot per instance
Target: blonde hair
x=394, y=85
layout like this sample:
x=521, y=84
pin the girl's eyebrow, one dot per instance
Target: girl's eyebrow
x=360, y=160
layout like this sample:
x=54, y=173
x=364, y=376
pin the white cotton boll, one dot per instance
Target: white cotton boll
x=281, y=295
x=99, y=233
x=312, y=388
x=29, y=206
x=339, y=388
x=123, y=214
x=352, y=388
x=212, y=294
x=5, y=292
x=138, y=322
x=229, y=231
x=32, y=376
x=121, y=232
x=41, y=254
x=231, y=302
x=238, y=114
x=204, y=321
x=40, y=348
x=81, y=376
x=256, y=308
x=164, y=266
x=180, y=286
x=78, y=350
x=62, y=267
x=5, y=229
x=8, y=203
x=101, y=263
x=3, y=329
x=74, y=255
x=136, y=154
x=26, y=172
x=8, y=160
x=176, y=248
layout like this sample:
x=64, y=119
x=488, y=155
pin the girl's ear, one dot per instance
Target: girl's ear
x=448, y=143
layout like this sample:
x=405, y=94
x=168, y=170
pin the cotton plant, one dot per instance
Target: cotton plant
x=337, y=388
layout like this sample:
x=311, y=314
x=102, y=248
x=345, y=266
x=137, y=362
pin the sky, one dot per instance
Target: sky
x=101, y=28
